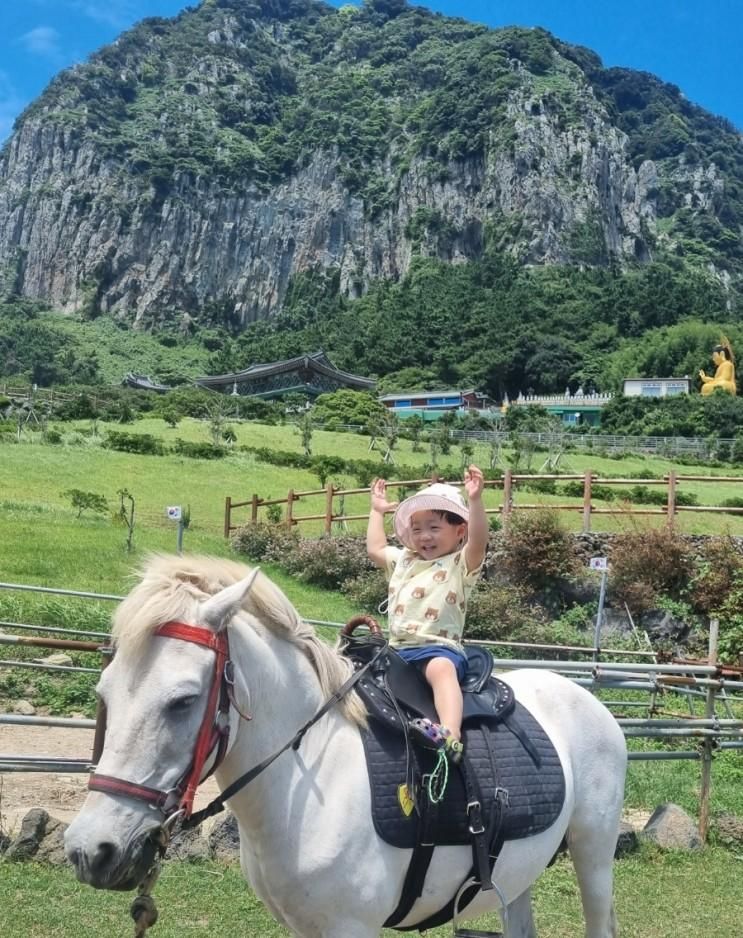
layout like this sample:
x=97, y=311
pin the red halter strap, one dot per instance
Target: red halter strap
x=213, y=732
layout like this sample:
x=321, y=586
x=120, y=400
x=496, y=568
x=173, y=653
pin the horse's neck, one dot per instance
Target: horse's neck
x=283, y=694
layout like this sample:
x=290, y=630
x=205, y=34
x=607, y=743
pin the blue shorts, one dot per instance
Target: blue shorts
x=422, y=653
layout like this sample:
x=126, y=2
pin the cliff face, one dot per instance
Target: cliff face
x=90, y=221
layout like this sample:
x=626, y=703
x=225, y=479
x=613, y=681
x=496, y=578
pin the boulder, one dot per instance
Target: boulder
x=51, y=848
x=26, y=844
x=729, y=830
x=670, y=827
x=224, y=839
x=627, y=840
x=24, y=707
x=189, y=845
x=58, y=658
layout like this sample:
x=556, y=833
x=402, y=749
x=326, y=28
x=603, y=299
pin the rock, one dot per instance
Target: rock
x=58, y=658
x=26, y=844
x=189, y=845
x=24, y=707
x=729, y=830
x=665, y=629
x=627, y=840
x=670, y=827
x=4, y=842
x=51, y=848
x=224, y=839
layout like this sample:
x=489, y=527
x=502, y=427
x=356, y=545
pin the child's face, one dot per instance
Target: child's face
x=433, y=536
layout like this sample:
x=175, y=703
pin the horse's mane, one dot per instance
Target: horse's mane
x=171, y=588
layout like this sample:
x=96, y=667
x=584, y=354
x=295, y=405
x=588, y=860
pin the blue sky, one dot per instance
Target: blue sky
x=693, y=43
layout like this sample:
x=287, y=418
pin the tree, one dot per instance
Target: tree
x=126, y=516
x=305, y=430
x=86, y=501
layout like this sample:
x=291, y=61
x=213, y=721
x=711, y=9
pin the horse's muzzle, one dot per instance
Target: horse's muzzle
x=106, y=866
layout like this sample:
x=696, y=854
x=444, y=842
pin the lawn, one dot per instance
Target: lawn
x=658, y=895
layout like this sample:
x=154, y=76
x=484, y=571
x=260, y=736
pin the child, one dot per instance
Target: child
x=430, y=582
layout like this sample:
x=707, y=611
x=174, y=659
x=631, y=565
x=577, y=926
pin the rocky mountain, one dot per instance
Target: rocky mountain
x=198, y=164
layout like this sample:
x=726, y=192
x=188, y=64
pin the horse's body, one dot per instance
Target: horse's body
x=308, y=845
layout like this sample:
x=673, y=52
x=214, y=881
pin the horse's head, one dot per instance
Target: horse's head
x=166, y=716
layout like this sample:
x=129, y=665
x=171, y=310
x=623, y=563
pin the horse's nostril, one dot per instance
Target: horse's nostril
x=103, y=857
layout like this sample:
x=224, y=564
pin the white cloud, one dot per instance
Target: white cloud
x=42, y=40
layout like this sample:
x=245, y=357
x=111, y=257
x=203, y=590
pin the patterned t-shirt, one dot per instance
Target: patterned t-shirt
x=427, y=598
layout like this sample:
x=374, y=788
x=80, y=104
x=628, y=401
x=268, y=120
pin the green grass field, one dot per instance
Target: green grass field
x=658, y=895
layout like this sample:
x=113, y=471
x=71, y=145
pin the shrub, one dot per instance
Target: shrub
x=142, y=443
x=498, y=613
x=717, y=567
x=265, y=542
x=646, y=563
x=730, y=613
x=368, y=590
x=537, y=549
x=328, y=561
x=199, y=450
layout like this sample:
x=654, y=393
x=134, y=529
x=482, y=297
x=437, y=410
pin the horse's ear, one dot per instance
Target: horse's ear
x=219, y=609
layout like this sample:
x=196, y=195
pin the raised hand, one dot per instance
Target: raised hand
x=474, y=482
x=379, y=501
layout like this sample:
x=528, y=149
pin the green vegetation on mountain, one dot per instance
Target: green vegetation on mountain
x=500, y=327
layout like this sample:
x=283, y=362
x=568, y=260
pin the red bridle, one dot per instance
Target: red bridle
x=213, y=732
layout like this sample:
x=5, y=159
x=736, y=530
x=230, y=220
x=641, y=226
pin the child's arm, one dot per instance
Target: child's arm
x=376, y=539
x=477, y=529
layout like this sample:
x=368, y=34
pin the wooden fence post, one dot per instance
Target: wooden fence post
x=709, y=713
x=290, y=508
x=227, y=516
x=507, y=498
x=329, y=490
x=671, y=508
x=254, y=509
x=587, y=482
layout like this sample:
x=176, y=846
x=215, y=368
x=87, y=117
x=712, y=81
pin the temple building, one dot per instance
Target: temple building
x=306, y=374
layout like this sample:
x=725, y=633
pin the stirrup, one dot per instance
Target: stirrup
x=434, y=736
x=427, y=733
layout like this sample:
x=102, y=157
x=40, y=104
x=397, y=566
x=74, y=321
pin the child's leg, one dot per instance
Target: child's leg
x=441, y=674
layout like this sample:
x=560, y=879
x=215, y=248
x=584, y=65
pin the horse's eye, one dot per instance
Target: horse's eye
x=182, y=704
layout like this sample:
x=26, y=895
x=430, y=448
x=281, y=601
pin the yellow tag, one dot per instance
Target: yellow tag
x=406, y=800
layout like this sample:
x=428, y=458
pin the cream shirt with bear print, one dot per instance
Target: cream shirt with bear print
x=427, y=598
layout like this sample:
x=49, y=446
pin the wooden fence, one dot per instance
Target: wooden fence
x=508, y=483
x=48, y=395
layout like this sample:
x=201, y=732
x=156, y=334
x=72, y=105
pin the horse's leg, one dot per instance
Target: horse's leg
x=521, y=918
x=592, y=852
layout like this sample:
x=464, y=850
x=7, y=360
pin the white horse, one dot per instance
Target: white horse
x=308, y=846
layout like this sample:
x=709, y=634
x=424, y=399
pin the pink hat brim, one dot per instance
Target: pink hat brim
x=423, y=501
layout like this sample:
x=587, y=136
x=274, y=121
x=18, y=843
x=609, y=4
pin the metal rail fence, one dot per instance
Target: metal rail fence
x=693, y=682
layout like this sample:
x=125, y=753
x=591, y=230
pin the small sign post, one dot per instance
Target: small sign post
x=602, y=564
x=175, y=513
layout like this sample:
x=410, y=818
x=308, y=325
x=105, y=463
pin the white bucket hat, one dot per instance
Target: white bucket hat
x=435, y=497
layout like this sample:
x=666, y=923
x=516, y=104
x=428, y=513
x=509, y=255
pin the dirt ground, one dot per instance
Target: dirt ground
x=61, y=795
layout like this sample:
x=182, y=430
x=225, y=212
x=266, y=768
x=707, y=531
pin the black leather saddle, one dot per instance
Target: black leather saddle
x=394, y=690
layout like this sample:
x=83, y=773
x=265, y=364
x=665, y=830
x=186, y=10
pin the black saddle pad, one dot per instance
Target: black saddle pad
x=532, y=793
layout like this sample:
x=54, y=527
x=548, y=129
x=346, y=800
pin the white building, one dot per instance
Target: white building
x=656, y=387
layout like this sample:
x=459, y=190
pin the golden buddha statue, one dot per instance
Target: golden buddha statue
x=722, y=356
